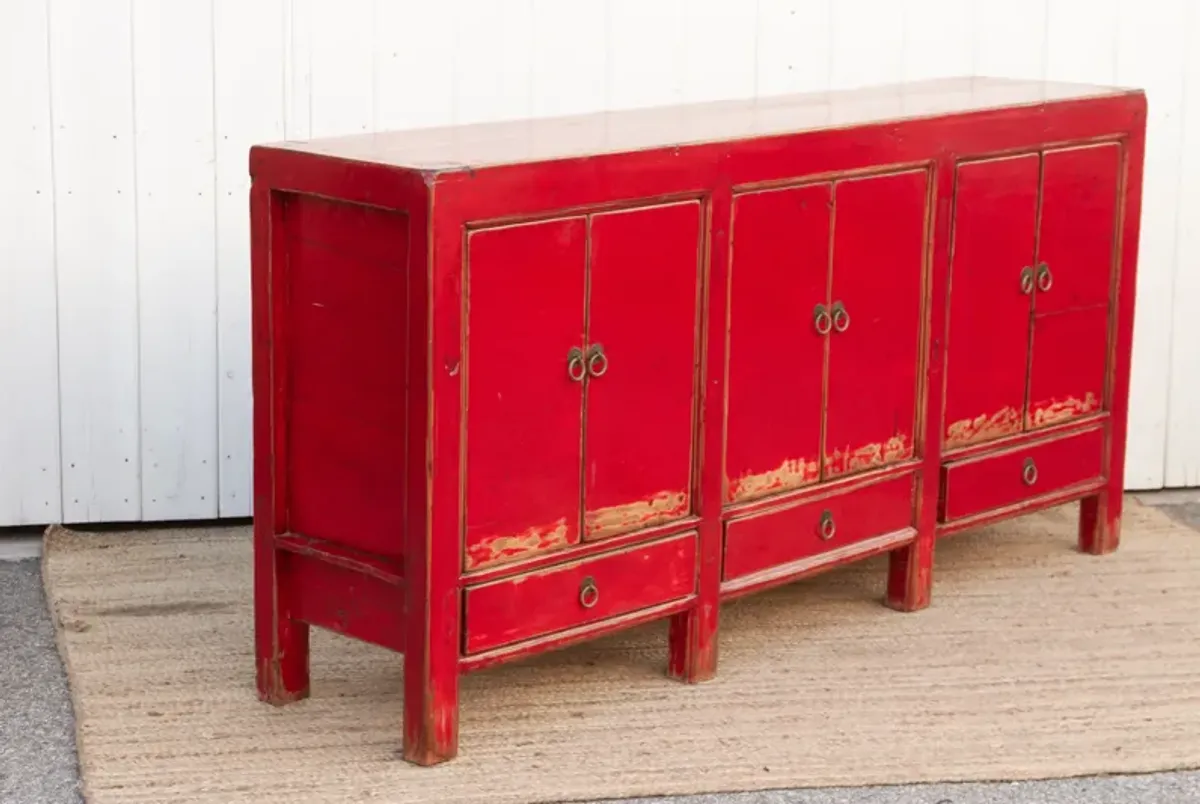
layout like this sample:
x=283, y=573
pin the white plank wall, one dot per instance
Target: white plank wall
x=124, y=292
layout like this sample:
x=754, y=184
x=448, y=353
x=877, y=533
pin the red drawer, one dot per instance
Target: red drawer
x=580, y=593
x=782, y=535
x=976, y=485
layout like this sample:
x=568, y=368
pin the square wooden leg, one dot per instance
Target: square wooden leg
x=430, y=709
x=910, y=575
x=281, y=643
x=1100, y=521
x=693, y=644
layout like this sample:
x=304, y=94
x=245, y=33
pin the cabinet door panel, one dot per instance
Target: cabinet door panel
x=1070, y=360
x=524, y=412
x=874, y=351
x=639, y=411
x=1079, y=212
x=1071, y=304
x=776, y=359
x=987, y=349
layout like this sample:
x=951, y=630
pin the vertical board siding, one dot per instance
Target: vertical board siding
x=124, y=233
x=249, y=47
x=29, y=448
x=176, y=257
x=96, y=243
x=1150, y=53
x=1183, y=370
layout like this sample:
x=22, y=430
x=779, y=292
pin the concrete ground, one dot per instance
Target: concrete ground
x=38, y=763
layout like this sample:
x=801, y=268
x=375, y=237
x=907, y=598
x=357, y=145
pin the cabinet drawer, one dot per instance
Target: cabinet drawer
x=977, y=485
x=579, y=593
x=784, y=535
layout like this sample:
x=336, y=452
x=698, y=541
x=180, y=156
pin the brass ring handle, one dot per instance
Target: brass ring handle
x=1027, y=281
x=822, y=320
x=827, y=528
x=841, y=319
x=575, y=367
x=597, y=362
x=1045, y=279
x=1029, y=474
x=589, y=593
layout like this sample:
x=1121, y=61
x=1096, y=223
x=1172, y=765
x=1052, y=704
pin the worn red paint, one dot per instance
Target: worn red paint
x=753, y=543
x=490, y=368
x=547, y=601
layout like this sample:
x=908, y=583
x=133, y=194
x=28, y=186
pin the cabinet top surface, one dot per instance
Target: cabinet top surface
x=538, y=139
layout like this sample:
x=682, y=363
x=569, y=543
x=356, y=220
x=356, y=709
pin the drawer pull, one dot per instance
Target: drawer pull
x=841, y=319
x=1029, y=473
x=575, y=367
x=827, y=528
x=597, y=362
x=589, y=593
x=1027, y=281
x=1045, y=279
x=821, y=320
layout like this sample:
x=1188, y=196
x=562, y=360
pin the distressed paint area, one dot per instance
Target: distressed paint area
x=502, y=549
x=610, y=521
x=1004, y=422
x=1045, y=414
x=848, y=461
x=788, y=475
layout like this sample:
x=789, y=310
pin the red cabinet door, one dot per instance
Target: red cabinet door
x=525, y=313
x=876, y=304
x=641, y=361
x=1074, y=275
x=776, y=357
x=987, y=347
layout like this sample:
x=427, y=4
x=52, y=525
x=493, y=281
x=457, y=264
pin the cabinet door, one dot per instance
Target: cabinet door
x=524, y=411
x=642, y=340
x=874, y=348
x=987, y=348
x=776, y=358
x=1074, y=281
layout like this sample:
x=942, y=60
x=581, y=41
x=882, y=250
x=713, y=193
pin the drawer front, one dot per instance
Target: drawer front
x=780, y=536
x=977, y=485
x=580, y=593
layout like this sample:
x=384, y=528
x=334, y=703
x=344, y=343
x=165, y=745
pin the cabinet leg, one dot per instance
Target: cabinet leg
x=693, y=648
x=281, y=643
x=430, y=711
x=1100, y=522
x=910, y=575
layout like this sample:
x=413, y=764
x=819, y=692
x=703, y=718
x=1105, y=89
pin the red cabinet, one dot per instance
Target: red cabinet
x=528, y=383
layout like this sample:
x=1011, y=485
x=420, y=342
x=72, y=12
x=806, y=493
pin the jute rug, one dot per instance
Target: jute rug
x=1035, y=661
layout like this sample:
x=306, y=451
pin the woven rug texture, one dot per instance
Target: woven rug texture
x=1034, y=661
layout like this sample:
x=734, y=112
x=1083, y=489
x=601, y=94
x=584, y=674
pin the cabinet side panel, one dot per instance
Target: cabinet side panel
x=995, y=220
x=346, y=290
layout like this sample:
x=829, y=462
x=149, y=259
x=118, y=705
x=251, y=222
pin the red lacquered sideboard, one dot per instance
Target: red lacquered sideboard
x=526, y=383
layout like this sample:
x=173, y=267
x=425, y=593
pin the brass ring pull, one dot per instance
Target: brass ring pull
x=841, y=319
x=597, y=362
x=575, y=367
x=827, y=528
x=821, y=320
x=1027, y=281
x=1045, y=279
x=1029, y=474
x=589, y=593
